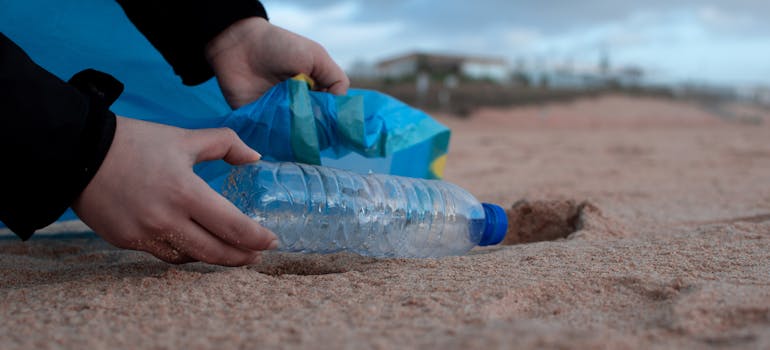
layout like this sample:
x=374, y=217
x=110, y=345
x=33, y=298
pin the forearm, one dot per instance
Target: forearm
x=180, y=30
x=53, y=139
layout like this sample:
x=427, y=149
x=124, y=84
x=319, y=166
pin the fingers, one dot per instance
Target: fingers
x=132, y=211
x=156, y=246
x=212, y=211
x=220, y=217
x=167, y=253
x=328, y=75
x=222, y=143
x=339, y=88
x=196, y=242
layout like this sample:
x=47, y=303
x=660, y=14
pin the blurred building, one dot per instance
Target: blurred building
x=762, y=95
x=473, y=67
x=576, y=76
x=361, y=69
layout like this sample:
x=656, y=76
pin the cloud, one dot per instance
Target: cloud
x=723, y=21
x=547, y=16
x=719, y=41
x=520, y=37
x=299, y=19
x=336, y=28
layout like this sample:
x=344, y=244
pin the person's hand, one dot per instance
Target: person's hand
x=252, y=55
x=145, y=196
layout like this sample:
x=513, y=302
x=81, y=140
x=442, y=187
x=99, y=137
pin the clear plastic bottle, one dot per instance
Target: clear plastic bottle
x=316, y=209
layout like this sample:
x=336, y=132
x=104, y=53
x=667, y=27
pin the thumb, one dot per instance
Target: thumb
x=222, y=143
x=328, y=75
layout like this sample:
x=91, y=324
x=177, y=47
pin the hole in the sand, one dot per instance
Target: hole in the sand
x=547, y=220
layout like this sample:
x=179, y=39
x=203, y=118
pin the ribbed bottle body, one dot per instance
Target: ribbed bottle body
x=318, y=209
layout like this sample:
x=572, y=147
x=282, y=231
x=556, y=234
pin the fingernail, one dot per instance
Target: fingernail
x=273, y=245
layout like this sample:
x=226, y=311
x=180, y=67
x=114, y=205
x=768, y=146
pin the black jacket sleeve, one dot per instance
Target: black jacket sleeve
x=180, y=29
x=53, y=137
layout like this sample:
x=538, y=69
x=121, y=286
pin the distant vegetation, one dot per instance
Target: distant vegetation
x=470, y=94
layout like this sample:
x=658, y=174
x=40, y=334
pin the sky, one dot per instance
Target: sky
x=717, y=42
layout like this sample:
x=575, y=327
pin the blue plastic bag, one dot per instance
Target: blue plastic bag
x=364, y=131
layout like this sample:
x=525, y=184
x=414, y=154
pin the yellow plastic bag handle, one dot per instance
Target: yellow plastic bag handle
x=307, y=79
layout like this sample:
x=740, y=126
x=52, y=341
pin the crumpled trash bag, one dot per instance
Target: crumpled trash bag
x=363, y=131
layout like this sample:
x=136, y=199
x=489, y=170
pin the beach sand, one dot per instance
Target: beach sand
x=636, y=223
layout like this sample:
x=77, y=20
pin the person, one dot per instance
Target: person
x=132, y=181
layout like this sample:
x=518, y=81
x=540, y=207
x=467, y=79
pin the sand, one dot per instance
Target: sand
x=639, y=223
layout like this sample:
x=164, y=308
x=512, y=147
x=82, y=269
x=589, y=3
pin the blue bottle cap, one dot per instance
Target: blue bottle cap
x=496, y=224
